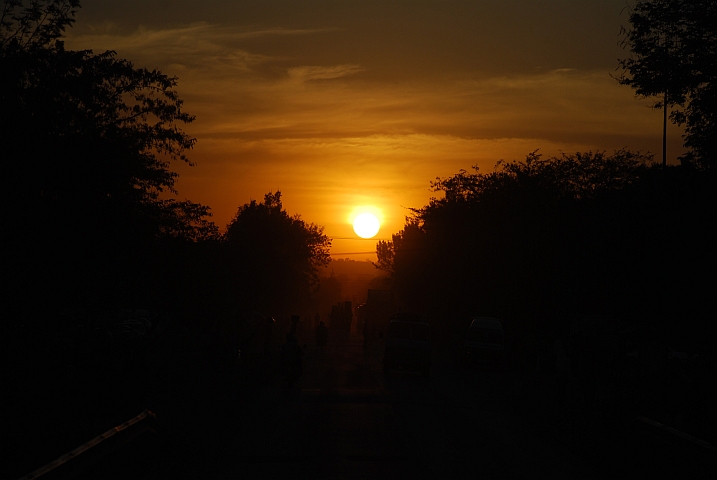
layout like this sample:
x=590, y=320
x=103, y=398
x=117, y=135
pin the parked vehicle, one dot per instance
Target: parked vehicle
x=484, y=345
x=408, y=344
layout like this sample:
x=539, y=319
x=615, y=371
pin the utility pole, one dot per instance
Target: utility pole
x=664, y=131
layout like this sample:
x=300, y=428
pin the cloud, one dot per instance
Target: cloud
x=318, y=131
x=578, y=107
x=239, y=91
x=215, y=50
x=366, y=103
x=306, y=73
x=282, y=32
x=353, y=140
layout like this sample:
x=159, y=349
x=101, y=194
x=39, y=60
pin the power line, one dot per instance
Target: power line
x=357, y=238
x=353, y=253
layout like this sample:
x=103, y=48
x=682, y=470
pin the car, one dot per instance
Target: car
x=484, y=345
x=408, y=344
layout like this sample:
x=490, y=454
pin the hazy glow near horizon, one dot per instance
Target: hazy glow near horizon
x=340, y=106
x=366, y=225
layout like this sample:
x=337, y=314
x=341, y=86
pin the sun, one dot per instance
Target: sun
x=366, y=225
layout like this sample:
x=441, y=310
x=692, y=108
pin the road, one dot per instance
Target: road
x=345, y=420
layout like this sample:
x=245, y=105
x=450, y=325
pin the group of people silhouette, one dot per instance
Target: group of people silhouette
x=292, y=354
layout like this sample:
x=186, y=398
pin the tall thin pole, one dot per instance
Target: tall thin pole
x=664, y=131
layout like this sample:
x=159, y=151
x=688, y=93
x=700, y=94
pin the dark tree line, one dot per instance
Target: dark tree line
x=92, y=230
x=88, y=145
x=87, y=141
x=545, y=240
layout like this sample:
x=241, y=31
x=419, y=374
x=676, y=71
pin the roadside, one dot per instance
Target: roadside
x=213, y=419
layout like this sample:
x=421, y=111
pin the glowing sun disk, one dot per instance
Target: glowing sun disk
x=366, y=225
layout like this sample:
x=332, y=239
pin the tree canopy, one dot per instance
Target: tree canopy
x=673, y=55
x=543, y=240
x=274, y=256
x=38, y=23
x=91, y=123
x=88, y=140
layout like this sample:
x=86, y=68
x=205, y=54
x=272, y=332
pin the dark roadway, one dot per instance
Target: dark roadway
x=345, y=419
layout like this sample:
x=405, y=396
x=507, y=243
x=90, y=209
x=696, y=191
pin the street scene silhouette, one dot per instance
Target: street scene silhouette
x=552, y=316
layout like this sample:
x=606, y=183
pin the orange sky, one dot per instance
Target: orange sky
x=342, y=104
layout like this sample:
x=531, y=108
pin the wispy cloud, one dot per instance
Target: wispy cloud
x=306, y=73
x=555, y=106
x=269, y=119
x=282, y=32
x=237, y=92
x=347, y=139
x=214, y=49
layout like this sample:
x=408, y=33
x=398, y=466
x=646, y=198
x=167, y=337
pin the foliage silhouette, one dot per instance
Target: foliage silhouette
x=88, y=142
x=40, y=23
x=90, y=138
x=673, y=46
x=274, y=257
x=546, y=239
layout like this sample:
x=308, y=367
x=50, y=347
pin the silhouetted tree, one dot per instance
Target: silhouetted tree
x=544, y=240
x=529, y=238
x=673, y=46
x=38, y=23
x=87, y=124
x=274, y=256
x=89, y=139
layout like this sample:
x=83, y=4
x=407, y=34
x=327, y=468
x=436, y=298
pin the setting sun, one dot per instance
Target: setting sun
x=366, y=225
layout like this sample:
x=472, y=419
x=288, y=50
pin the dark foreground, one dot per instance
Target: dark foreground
x=345, y=419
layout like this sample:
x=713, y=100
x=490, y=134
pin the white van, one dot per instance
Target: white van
x=484, y=345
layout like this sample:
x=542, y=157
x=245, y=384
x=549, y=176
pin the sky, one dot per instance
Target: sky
x=342, y=105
